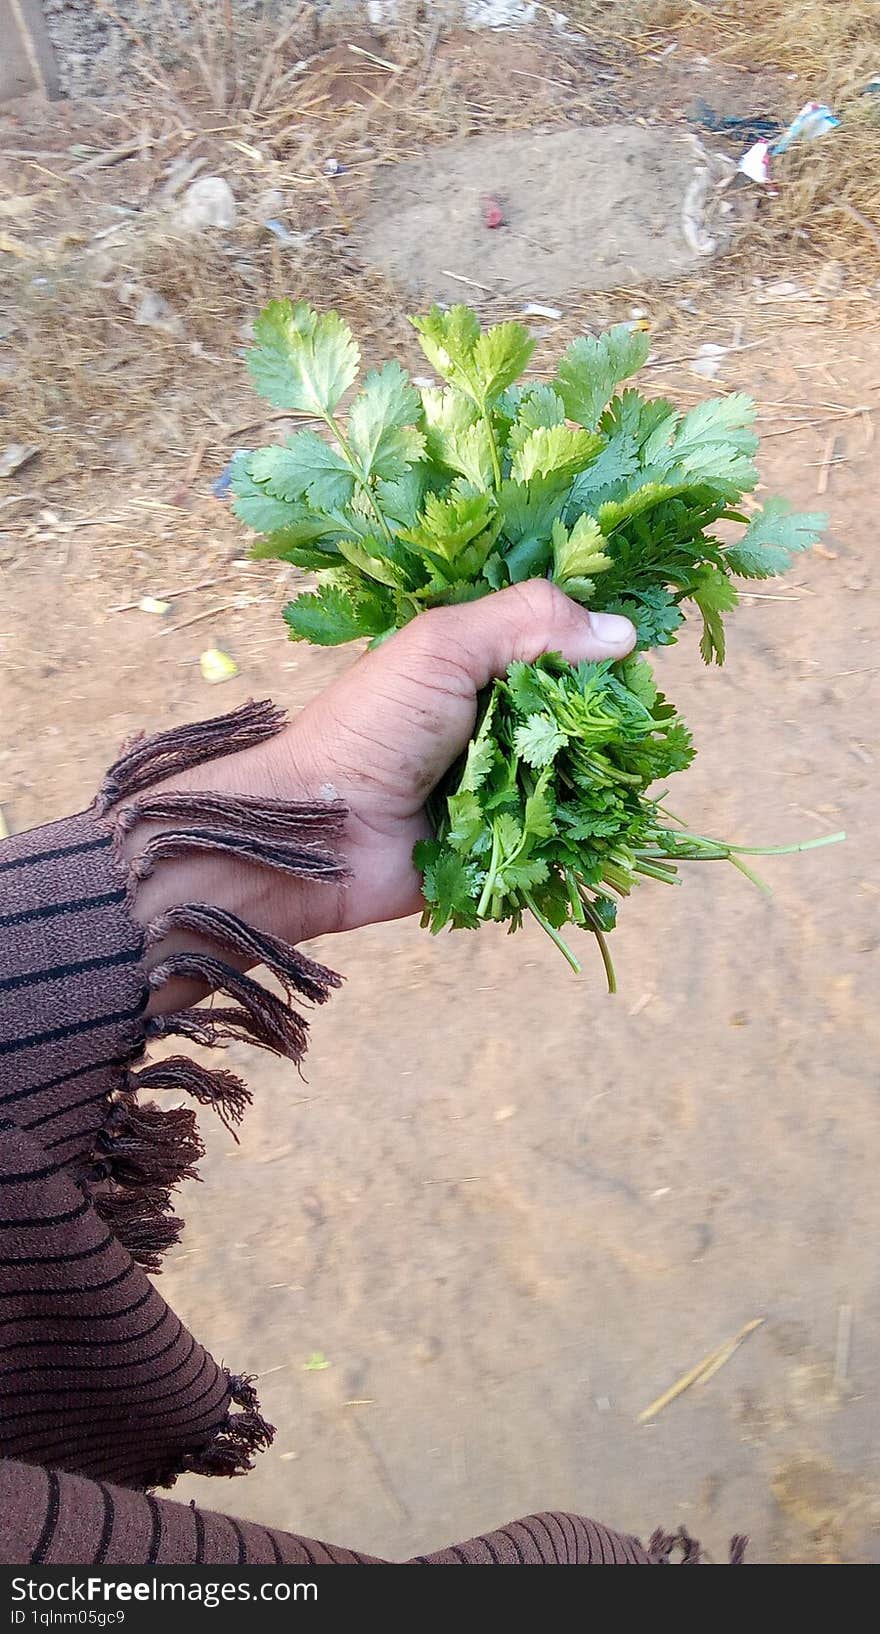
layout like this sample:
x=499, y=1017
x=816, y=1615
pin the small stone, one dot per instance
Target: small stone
x=208, y=202
x=153, y=312
x=16, y=455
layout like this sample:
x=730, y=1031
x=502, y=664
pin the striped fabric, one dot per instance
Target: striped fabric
x=103, y=1392
x=82, y=1330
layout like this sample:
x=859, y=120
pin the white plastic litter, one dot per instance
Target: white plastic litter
x=755, y=163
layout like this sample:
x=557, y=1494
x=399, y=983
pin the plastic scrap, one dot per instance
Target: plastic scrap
x=708, y=360
x=755, y=164
x=536, y=310
x=815, y=119
x=757, y=126
x=221, y=485
x=493, y=212
x=150, y=604
x=281, y=232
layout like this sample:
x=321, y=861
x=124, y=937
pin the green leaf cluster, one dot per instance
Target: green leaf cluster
x=414, y=498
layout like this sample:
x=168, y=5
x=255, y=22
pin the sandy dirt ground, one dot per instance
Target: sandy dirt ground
x=507, y=1210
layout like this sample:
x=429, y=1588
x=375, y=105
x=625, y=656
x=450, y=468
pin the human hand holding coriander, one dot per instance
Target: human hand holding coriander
x=380, y=738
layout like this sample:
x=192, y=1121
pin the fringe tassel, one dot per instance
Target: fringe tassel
x=142, y=1222
x=151, y=760
x=143, y=1151
x=272, y=819
x=141, y=1154
x=261, y=1016
x=662, y=1544
x=297, y=973
x=150, y=1148
x=241, y=1436
x=223, y=1091
x=282, y=855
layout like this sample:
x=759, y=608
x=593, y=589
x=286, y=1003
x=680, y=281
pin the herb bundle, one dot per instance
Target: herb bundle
x=419, y=498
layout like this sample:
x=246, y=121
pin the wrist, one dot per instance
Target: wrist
x=294, y=909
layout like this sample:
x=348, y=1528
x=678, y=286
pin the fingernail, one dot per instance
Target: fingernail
x=612, y=628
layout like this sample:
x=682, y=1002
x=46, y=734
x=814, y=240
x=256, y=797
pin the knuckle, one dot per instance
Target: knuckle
x=544, y=603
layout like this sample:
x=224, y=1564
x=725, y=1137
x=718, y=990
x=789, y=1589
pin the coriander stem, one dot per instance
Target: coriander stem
x=489, y=886
x=356, y=472
x=493, y=446
x=608, y=962
x=751, y=875
x=574, y=898
x=552, y=932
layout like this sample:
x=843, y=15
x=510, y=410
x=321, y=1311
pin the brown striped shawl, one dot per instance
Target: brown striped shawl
x=103, y=1392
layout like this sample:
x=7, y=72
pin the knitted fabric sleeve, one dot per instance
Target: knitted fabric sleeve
x=97, y=1375
x=103, y=1392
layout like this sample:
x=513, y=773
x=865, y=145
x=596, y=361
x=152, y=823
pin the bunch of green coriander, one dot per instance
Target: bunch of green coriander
x=416, y=498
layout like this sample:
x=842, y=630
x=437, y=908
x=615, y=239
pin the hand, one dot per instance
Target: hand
x=380, y=738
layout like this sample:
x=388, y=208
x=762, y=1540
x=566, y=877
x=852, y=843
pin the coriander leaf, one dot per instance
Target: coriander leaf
x=523, y=873
x=539, y=811
x=466, y=822
x=446, y=527
x=386, y=564
x=644, y=419
x=580, y=589
x=259, y=511
x=495, y=571
x=302, y=546
x=525, y=688
x=611, y=466
x=654, y=612
x=306, y=466
x=638, y=677
x=402, y=499
x=715, y=441
x=774, y=535
x=616, y=511
x=591, y=369
x=470, y=453
x=447, y=340
x=482, y=363
x=329, y=617
x=549, y=449
x=508, y=833
x=456, y=436
x=527, y=512
x=302, y=361
x=539, y=740
x=578, y=554
x=714, y=594
x=252, y=503
x=500, y=355
x=482, y=752
x=448, y=885
x=536, y=406
x=382, y=424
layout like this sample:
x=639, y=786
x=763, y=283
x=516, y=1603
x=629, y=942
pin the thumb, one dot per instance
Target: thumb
x=484, y=637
